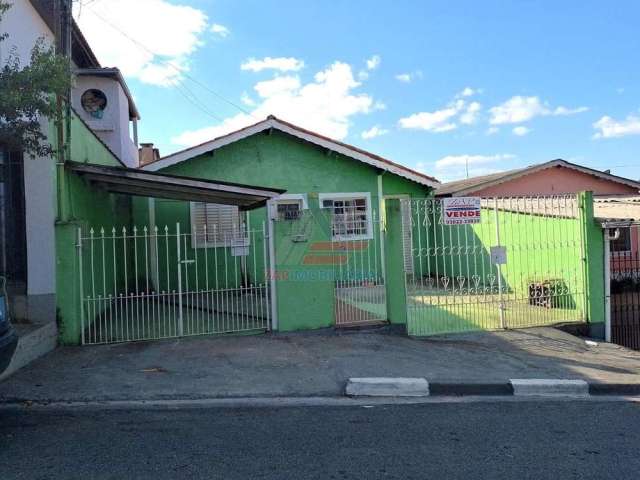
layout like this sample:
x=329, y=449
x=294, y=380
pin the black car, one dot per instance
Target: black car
x=8, y=337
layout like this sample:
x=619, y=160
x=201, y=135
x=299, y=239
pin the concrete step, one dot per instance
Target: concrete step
x=32, y=345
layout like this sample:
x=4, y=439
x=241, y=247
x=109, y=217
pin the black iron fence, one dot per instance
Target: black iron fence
x=625, y=298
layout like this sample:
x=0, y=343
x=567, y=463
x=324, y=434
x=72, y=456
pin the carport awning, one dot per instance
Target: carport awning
x=131, y=181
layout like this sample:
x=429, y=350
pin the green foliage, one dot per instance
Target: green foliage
x=28, y=94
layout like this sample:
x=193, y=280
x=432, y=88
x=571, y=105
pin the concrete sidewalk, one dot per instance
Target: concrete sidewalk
x=311, y=364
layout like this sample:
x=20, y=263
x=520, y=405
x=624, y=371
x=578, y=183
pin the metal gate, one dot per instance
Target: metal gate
x=624, y=288
x=152, y=283
x=521, y=265
x=358, y=271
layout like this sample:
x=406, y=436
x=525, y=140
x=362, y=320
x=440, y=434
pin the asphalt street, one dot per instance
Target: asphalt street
x=488, y=440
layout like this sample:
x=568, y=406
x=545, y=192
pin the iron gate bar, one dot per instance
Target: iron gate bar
x=121, y=299
x=454, y=285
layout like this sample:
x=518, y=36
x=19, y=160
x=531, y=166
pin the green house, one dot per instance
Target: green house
x=317, y=249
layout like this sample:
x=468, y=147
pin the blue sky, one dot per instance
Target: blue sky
x=432, y=85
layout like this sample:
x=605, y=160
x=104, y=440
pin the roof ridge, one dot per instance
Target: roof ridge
x=272, y=121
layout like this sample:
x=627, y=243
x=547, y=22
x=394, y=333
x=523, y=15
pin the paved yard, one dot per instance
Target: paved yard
x=309, y=364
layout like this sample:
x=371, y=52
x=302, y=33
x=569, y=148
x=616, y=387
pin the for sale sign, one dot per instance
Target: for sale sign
x=461, y=210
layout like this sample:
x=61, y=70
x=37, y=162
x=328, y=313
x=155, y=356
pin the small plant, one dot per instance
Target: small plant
x=29, y=94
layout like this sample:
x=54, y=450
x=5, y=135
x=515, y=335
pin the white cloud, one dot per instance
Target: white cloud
x=520, y=109
x=471, y=113
x=324, y=105
x=454, y=167
x=246, y=99
x=409, y=77
x=517, y=109
x=467, y=92
x=373, y=62
x=363, y=75
x=492, y=130
x=464, y=160
x=520, y=131
x=160, y=34
x=220, y=30
x=438, y=121
x=445, y=119
x=282, y=64
x=373, y=132
x=569, y=111
x=611, y=128
x=277, y=86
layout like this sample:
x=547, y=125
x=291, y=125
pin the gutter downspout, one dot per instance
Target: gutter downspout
x=607, y=280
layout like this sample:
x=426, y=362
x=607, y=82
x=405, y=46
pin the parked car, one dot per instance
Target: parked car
x=8, y=336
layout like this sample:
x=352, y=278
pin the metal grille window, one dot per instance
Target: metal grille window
x=217, y=225
x=289, y=209
x=351, y=215
x=623, y=242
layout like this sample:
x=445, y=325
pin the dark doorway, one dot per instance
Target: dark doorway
x=13, y=241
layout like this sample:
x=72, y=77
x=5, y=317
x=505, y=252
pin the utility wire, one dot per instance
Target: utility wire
x=171, y=64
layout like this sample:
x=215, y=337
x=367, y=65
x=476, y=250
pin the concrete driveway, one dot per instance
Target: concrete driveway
x=310, y=364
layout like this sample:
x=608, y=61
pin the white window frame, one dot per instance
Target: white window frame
x=216, y=244
x=350, y=196
x=299, y=198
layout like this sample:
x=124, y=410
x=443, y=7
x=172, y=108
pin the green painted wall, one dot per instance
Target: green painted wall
x=87, y=207
x=539, y=248
x=594, y=264
x=394, y=261
x=281, y=161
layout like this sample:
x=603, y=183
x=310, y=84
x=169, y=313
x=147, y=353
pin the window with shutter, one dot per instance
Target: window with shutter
x=216, y=225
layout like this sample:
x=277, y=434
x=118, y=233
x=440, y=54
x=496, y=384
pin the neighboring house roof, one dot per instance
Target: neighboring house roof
x=475, y=184
x=81, y=52
x=617, y=209
x=115, y=74
x=274, y=123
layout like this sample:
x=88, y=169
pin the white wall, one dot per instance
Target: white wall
x=113, y=127
x=24, y=26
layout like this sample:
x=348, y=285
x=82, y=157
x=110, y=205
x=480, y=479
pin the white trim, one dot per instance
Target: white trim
x=351, y=196
x=300, y=198
x=273, y=123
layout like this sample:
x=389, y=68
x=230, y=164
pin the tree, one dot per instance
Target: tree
x=30, y=93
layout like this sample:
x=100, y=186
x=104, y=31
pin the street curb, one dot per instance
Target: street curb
x=553, y=387
x=387, y=387
x=464, y=389
x=438, y=390
x=602, y=389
